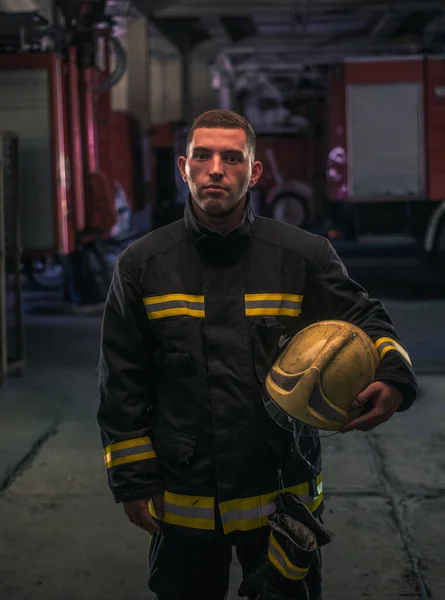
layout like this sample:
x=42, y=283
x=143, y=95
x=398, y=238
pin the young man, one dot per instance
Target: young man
x=192, y=324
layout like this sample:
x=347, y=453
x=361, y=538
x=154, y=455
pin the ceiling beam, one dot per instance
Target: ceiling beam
x=295, y=43
x=287, y=7
x=151, y=8
x=353, y=47
x=306, y=59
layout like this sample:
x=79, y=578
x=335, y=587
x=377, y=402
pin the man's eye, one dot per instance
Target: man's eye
x=232, y=159
x=201, y=156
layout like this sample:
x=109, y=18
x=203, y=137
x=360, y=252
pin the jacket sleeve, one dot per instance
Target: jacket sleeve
x=332, y=294
x=125, y=387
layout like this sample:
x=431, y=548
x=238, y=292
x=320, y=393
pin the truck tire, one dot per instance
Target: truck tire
x=45, y=275
x=290, y=208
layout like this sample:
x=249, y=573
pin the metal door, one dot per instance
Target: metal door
x=385, y=145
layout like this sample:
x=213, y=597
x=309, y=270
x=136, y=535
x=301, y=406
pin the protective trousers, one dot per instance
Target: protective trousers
x=190, y=570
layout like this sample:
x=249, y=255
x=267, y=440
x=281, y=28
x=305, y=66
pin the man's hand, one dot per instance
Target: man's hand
x=138, y=513
x=385, y=399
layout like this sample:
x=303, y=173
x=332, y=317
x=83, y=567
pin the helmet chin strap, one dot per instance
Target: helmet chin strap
x=298, y=432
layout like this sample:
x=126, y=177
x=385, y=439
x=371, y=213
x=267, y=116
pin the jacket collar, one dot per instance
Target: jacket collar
x=220, y=248
x=198, y=232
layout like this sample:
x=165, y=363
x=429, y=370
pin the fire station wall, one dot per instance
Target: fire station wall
x=132, y=92
x=151, y=87
x=165, y=88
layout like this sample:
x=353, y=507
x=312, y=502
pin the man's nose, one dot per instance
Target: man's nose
x=216, y=167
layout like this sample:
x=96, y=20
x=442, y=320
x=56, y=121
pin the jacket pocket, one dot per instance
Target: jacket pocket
x=181, y=362
x=172, y=354
x=266, y=333
x=174, y=448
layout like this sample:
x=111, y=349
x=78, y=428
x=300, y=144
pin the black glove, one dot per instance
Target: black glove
x=289, y=504
x=294, y=538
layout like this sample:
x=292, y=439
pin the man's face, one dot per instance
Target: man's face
x=219, y=170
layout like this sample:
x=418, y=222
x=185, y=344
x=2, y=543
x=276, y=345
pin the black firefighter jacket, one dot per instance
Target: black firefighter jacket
x=193, y=321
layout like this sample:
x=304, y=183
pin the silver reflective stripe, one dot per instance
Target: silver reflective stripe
x=114, y=454
x=248, y=514
x=174, y=304
x=385, y=345
x=391, y=344
x=318, y=403
x=272, y=304
x=189, y=511
x=291, y=573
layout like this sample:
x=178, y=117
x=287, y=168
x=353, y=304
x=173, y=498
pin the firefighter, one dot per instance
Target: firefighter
x=196, y=314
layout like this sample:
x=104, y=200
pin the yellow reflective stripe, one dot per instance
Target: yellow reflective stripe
x=292, y=571
x=262, y=500
x=127, y=459
x=168, y=305
x=282, y=570
x=127, y=444
x=169, y=312
x=173, y=298
x=183, y=500
x=286, y=312
x=193, y=523
x=385, y=350
x=276, y=544
x=196, y=512
x=314, y=504
x=259, y=297
x=128, y=451
x=273, y=304
x=262, y=507
x=393, y=345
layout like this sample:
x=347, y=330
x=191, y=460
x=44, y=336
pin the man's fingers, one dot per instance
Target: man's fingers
x=158, y=503
x=367, y=421
x=144, y=521
x=139, y=514
x=368, y=394
x=148, y=523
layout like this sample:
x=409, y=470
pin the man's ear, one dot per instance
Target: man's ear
x=257, y=169
x=181, y=166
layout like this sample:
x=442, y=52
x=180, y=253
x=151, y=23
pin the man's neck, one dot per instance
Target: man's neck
x=221, y=224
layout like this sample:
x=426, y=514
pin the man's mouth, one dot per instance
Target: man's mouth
x=214, y=187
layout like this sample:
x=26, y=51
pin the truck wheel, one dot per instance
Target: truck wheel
x=46, y=275
x=291, y=209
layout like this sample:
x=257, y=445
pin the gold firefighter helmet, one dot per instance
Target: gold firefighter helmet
x=321, y=371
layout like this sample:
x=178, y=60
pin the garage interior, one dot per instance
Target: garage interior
x=347, y=98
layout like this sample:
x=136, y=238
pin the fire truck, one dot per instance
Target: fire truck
x=386, y=149
x=372, y=159
x=369, y=162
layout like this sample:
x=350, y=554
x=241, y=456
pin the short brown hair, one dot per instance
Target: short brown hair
x=224, y=119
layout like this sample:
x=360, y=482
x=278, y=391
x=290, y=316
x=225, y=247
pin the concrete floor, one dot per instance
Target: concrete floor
x=63, y=538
